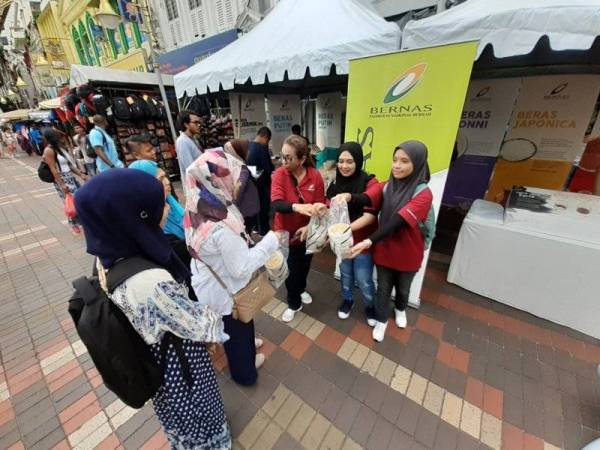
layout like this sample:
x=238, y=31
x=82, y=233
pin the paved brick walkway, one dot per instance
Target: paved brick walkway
x=466, y=373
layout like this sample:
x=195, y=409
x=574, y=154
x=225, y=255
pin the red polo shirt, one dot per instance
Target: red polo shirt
x=310, y=190
x=403, y=250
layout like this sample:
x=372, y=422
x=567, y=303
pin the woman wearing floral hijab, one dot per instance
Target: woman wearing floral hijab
x=216, y=238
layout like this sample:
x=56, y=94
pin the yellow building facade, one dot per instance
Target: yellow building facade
x=52, y=68
x=70, y=34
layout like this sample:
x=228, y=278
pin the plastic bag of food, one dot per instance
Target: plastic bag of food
x=338, y=230
x=276, y=265
x=316, y=239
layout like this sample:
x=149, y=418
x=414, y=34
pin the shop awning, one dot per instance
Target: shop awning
x=295, y=36
x=512, y=27
x=17, y=114
x=40, y=114
x=50, y=104
x=87, y=74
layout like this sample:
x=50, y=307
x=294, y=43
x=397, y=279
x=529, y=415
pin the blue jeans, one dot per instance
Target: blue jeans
x=360, y=271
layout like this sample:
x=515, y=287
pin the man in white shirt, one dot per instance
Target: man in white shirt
x=186, y=146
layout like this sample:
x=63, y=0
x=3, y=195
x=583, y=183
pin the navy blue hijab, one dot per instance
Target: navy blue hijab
x=120, y=211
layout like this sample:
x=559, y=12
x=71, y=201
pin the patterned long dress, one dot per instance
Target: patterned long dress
x=191, y=412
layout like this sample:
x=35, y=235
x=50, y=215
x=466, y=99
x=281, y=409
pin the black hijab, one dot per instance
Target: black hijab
x=120, y=211
x=355, y=183
x=398, y=193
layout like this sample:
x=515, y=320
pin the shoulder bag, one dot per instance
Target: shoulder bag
x=251, y=298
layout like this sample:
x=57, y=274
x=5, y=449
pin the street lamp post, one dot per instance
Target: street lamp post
x=108, y=18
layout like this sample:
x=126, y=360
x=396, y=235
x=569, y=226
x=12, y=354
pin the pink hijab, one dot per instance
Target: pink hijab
x=210, y=183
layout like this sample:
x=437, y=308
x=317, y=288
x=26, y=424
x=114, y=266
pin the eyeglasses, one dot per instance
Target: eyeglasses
x=287, y=158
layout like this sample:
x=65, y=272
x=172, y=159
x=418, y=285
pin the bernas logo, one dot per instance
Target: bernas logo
x=557, y=93
x=482, y=92
x=405, y=83
x=558, y=89
x=391, y=107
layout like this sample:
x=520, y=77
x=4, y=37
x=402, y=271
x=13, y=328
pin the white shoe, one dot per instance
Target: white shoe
x=259, y=361
x=379, y=331
x=289, y=314
x=258, y=342
x=400, y=318
x=306, y=298
x=371, y=322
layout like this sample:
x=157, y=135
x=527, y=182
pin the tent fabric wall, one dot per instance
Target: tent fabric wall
x=512, y=27
x=297, y=35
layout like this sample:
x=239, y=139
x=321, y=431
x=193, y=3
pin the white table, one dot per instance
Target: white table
x=553, y=277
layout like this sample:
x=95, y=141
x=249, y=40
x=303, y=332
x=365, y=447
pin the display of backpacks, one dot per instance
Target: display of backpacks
x=120, y=355
x=162, y=112
x=137, y=107
x=153, y=112
x=121, y=109
x=101, y=105
x=84, y=91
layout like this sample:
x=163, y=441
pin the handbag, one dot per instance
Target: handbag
x=251, y=298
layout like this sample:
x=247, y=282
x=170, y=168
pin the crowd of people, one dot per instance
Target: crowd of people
x=237, y=209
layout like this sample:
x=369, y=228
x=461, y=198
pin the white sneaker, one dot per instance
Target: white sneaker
x=306, y=298
x=379, y=331
x=289, y=314
x=371, y=322
x=258, y=342
x=400, y=318
x=259, y=361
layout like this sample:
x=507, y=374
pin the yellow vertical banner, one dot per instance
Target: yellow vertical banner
x=409, y=95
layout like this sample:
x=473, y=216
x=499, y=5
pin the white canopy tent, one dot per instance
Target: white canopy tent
x=86, y=74
x=296, y=35
x=513, y=27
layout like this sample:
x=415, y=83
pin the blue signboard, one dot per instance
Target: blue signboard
x=178, y=60
x=130, y=11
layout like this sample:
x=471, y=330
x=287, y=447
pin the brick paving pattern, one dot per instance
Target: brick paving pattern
x=466, y=373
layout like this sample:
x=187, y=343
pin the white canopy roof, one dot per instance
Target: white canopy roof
x=513, y=27
x=295, y=35
x=85, y=74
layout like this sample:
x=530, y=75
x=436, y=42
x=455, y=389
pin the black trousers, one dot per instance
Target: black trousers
x=240, y=351
x=387, y=279
x=264, y=198
x=299, y=266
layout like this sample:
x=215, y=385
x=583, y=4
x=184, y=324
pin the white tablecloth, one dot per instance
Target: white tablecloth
x=552, y=277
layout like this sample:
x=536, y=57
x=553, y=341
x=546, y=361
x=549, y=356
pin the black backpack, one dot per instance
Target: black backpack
x=91, y=151
x=120, y=355
x=121, y=109
x=101, y=104
x=153, y=112
x=138, y=110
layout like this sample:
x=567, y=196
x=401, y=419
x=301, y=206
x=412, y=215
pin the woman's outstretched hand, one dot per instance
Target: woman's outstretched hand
x=360, y=247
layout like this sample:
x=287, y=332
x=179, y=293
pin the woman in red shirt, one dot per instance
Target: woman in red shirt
x=398, y=244
x=297, y=192
x=351, y=179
